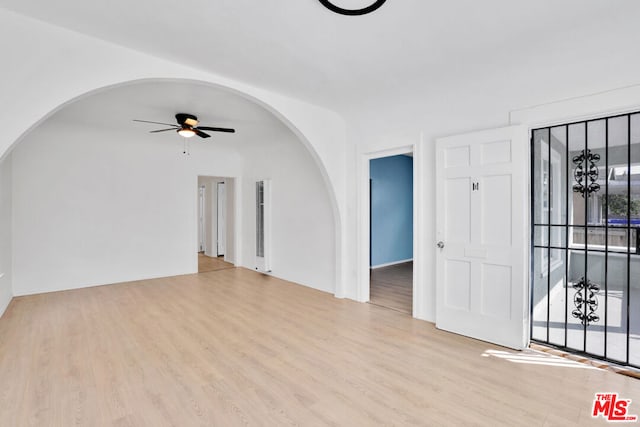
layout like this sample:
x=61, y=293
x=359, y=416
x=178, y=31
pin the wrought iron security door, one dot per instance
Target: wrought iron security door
x=585, y=266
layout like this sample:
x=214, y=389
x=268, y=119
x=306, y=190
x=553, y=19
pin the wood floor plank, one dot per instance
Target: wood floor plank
x=235, y=347
x=392, y=287
x=207, y=263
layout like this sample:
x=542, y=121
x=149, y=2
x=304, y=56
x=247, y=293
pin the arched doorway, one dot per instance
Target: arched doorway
x=65, y=115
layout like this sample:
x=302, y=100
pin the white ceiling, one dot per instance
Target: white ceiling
x=406, y=48
x=114, y=110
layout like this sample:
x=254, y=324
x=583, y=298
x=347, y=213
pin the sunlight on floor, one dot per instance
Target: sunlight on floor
x=535, y=358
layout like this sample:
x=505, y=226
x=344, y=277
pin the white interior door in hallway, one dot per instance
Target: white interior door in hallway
x=202, y=233
x=481, y=196
x=221, y=218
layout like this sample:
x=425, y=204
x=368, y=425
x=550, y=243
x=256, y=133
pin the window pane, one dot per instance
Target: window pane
x=575, y=329
x=618, y=239
x=616, y=306
x=634, y=170
x=577, y=146
x=618, y=169
x=595, y=170
x=634, y=314
x=539, y=330
x=593, y=307
x=557, y=294
x=558, y=175
x=577, y=237
x=542, y=233
x=541, y=176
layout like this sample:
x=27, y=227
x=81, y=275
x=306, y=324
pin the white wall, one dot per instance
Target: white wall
x=419, y=122
x=6, y=292
x=92, y=207
x=50, y=68
x=302, y=225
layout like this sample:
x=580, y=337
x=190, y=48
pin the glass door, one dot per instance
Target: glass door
x=585, y=267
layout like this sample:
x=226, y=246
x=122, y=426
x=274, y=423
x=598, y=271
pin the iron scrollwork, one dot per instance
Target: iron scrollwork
x=586, y=172
x=586, y=301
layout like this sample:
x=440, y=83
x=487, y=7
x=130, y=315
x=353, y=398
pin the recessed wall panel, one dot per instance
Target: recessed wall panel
x=458, y=200
x=495, y=152
x=457, y=157
x=496, y=210
x=496, y=291
x=458, y=284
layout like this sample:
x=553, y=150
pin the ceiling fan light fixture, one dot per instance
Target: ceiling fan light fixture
x=186, y=132
x=187, y=126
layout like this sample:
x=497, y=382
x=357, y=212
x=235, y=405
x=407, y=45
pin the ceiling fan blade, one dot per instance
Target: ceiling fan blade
x=201, y=134
x=157, y=123
x=217, y=129
x=161, y=130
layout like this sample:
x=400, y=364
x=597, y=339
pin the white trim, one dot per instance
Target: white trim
x=262, y=263
x=592, y=106
x=363, y=266
x=3, y=309
x=221, y=223
x=237, y=223
x=389, y=264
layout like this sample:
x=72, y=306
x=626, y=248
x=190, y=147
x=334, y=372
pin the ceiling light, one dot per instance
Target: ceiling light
x=352, y=12
x=186, y=132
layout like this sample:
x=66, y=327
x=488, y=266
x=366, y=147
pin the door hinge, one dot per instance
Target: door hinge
x=475, y=186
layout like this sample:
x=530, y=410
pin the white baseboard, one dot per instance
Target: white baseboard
x=388, y=264
x=3, y=307
x=5, y=304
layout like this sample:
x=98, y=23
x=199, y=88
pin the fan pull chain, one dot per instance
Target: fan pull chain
x=185, y=147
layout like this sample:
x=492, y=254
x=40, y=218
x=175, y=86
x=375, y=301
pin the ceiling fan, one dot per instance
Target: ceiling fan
x=187, y=126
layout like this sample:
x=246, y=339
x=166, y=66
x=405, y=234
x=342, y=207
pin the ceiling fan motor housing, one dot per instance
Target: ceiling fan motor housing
x=183, y=117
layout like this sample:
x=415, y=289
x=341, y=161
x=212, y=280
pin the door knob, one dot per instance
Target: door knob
x=440, y=244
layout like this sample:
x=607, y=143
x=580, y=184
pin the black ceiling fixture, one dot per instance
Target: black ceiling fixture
x=187, y=126
x=352, y=12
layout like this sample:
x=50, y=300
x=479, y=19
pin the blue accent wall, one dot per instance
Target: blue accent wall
x=391, y=209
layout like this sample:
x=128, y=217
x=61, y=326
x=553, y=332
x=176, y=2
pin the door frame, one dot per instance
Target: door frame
x=550, y=117
x=364, y=237
x=237, y=217
x=224, y=222
x=591, y=106
x=202, y=234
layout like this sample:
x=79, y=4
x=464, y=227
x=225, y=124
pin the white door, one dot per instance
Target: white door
x=221, y=218
x=201, y=220
x=481, y=220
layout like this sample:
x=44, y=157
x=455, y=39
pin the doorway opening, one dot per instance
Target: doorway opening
x=215, y=223
x=391, y=230
x=585, y=262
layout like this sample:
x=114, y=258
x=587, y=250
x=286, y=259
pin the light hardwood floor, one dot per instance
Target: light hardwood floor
x=234, y=347
x=207, y=263
x=392, y=287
